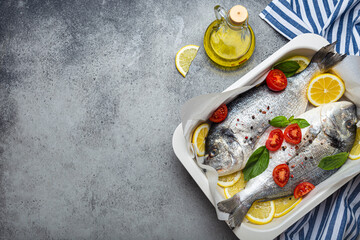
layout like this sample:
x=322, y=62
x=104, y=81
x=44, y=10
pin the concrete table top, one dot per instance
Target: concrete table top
x=90, y=97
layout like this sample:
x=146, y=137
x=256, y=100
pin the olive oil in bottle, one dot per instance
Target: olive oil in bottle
x=229, y=41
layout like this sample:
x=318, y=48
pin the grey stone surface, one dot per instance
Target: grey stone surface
x=90, y=97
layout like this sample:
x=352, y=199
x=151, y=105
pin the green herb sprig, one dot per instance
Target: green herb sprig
x=282, y=121
x=289, y=68
x=334, y=161
x=257, y=163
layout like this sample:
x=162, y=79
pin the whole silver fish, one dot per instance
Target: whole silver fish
x=230, y=143
x=332, y=130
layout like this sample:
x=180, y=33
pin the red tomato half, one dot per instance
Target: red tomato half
x=220, y=114
x=281, y=174
x=303, y=189
x=276, y=80
x=292, y=134
x=276, y=138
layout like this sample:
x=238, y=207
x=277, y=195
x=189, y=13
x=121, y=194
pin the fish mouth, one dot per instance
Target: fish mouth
x=223, y=163
x=220, y=163
x=230, y=166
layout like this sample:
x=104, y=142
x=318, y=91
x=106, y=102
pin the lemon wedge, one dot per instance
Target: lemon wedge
x=261, y=212
x=301, y=60
x=355, y=151
x=184, y=57
x=325, y=88
x=235, y=188
x=285, y=205
x=199, y=138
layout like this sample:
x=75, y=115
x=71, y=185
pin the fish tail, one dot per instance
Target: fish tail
x=236, y=218
x=236, y=208
x=327, y=58
x=229, y=205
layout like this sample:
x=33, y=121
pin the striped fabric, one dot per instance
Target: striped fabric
x=335, y=20
x=338, y=217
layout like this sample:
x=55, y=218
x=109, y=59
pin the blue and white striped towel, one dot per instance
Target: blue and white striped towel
x=335, y=20
x=338, y=217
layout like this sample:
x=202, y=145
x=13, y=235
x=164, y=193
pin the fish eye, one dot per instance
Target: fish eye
x=212, y=153
x=349, y=123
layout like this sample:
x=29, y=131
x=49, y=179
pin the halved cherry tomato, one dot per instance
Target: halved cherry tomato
x=220, y=114
x=293, y=134
x=276, y=80
x=275, y=139
x=303, y=189
x=281, y=174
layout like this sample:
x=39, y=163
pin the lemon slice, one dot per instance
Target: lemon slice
x=261, y=212
x=301, y=60
x=229, y=180
x=285, y=205
x=355, y=151
x=199, y=138
x=235, y=188
x=325, y=88
x=184, y=57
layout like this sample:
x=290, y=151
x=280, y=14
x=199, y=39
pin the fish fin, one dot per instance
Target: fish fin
x=236, y=208
x=236, y=218
x=229, y=205
x=326, y=58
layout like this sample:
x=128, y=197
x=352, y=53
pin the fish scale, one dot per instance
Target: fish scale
x=230, y=143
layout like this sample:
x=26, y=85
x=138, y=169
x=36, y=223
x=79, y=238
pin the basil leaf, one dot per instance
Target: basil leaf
x=334, y=161
x=287, y=66
x=301, y=122
x=257, y=163
x=289, y=74
x=282, y=121
x=279, y=121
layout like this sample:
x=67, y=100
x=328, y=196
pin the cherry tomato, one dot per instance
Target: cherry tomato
x=275, y=139
x=281, y=174
x=303, y=189
x=276, y=80
x=293, y=134
x=220, y=114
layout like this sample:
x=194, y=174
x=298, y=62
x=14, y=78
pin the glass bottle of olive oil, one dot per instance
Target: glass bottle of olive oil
x=229, y=41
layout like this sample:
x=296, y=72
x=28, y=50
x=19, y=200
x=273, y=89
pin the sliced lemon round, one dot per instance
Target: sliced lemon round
x=301, y=60
x=234, y=189
x=184, y=57
x=199, y=138
x=229, y=180
x=325, y=88
x=355, y=151
x=285, y=205
x=261, y=212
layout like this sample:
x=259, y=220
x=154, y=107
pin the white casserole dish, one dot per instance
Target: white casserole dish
x=307, y=45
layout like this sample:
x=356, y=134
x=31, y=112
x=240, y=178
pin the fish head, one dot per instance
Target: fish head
x=224, y=153
x=339, y=122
